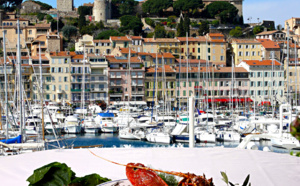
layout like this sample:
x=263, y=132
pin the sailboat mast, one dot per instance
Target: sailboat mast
x=6, y=88
x=288, y=61
x=41, y=91
x=20, y=80
x=156, y=85
x=83, y=83
x=187, y=71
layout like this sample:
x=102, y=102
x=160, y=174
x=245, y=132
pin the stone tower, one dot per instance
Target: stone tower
x=102, y=10
x=65, y=5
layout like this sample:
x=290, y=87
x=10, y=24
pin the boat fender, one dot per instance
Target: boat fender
x=105, y=124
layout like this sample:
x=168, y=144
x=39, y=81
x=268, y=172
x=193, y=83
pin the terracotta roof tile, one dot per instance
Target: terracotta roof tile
x=267, y=43
x=144, y=54
x=160, y=40
x=192, y=39
x=116, y=60
x=210, y=69
x=215, y=35
x=168, y=69
x=245, y=41
x=268, y=32
x=102, y=41
x=136, y=37
x=119, y=38
x=43, y=57
x=21, y=19
x=62, y=53
x=126, y=51
x=42, y=25
x=194, y=61
x=261, y=63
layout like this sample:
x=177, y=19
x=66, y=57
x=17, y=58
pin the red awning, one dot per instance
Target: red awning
x=265, y=103
x=229, y=100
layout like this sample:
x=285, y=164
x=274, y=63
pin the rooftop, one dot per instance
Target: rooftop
x=245, y=41
x=119, y=38
x=261, y=63
x=267, y=43
x=167, y=69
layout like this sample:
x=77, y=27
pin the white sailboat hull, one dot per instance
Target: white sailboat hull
x=72, y=129
x=159, y=138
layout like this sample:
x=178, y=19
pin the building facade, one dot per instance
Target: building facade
x=245, y=49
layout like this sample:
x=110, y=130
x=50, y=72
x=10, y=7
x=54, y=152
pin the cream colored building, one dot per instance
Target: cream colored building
x=60, y=63
x=294, y=21
x=245, y=49
x=165, y=45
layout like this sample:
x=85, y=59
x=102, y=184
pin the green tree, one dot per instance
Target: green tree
x=186, y=25
x=107, y=33
x=150, y=35
x=69, y=31
x=100, y=25
x=171, y=34
x=160, y=31
x=41, y=16
x=237, y=32
x=180, y=28
x=88, y=29
x=226, y=11
x=156, y=7
x=133, y=23
x=127, y=7
x=203, y=28
x=81, y=21
x=257, y=29
x=190, y=6
x=45, y=5
x=84, y=10
x=9, y=5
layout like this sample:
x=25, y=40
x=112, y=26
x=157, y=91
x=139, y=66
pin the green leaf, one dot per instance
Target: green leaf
x=52, y=174
x=246, y=180
x=225, y=178
x=89, y=180
x=231, y=184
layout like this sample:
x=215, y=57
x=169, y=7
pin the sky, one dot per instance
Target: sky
x=276, y=10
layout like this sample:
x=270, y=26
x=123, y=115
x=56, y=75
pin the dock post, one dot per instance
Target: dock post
x=191, y=122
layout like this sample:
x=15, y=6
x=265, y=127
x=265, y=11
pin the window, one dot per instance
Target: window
x=247, y=46
x=247, y=53
x=240, y=46
x=253, y=53
x=53, y=78
x=259, y=83
x=60, y=70
x=214, y=51
x=65, y=79
x=240, y=53
x=59, y=61
x=52, y=69
x=266, y=83
x=222, y=58
x=67, y=69
x=252, y=92
x=191, y=92
x=221, y=83
x=53, y=87
x=184, y=84
x=184, y=93
x=258, y=92
x=30, y=32
x=190, y=84
x=66, y=88
x=59, y=79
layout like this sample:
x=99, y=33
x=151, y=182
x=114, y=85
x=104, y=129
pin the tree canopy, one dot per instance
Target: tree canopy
x=226, y=11
x=133, y=23
x=190, y=6
x=123, y=7
x=107, y=33
x=69, y=31
x=237, y=32
x=9, y=4
x=257, y=29
x=45, y=5
x=156, y=6
x=203, y=28
x=160, y=31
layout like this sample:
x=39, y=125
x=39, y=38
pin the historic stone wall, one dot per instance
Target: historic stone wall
x=65, y=5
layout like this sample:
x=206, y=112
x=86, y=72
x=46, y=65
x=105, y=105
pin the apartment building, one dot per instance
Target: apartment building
x=163, y=78
x=292, y=80
x=293, y=22
x=164, y=45
x=194, y=47
x=123, y=52
x=213, y=85
x=245, y=49
x=80, y=70
x=49, y=42
x=120, y=41
x=27, y=34
x=274, y=35
x=99, y=78
x=268, y=48
x=126, y=81
x=266, y=80
x=87, y=43
x=59, y=84
x=137, y=43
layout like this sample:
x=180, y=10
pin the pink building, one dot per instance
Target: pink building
x=124, y=81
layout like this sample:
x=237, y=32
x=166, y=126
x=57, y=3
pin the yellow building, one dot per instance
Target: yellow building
x=211, y=47
x=170, y=45
x=245, y=49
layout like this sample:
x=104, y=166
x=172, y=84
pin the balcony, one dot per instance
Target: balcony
x=79, y=90
x=138, y=92
x=99, y=89
x=115, y=85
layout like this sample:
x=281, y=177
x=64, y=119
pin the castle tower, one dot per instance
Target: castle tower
x=102, y=10
x=65, y=5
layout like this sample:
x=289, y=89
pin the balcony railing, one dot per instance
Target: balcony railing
x=79, y=90
x=98, y=89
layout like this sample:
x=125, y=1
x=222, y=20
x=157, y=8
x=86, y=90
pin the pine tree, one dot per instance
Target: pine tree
x=180, y=29
x=186, y=25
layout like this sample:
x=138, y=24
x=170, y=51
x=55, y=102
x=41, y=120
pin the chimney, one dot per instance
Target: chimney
x=68, y=52
x=265, y=29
